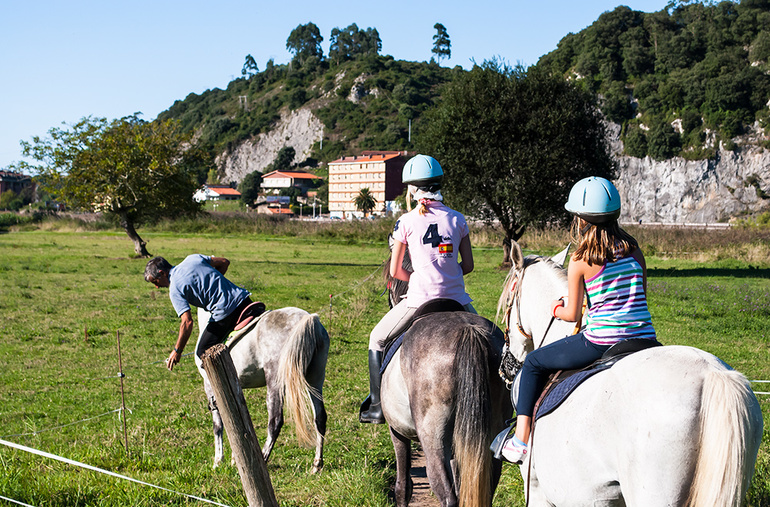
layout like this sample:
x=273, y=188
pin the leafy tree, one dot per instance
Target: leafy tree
x=250, y=188
x=663, y=142
x=304, y=42
x=10, y=200
x=283, y=161
x=442, y=47
x=249, y=67
x=211, y=177
x=635, y=143
x=352, y=43
x=130, y=169
x=365, y=201
x=512, y=143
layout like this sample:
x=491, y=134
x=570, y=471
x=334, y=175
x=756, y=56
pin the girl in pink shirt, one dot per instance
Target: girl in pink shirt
x=436, y=237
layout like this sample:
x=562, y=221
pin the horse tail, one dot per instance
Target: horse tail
x=306, y=338
x=472, y=430
x=725, y=462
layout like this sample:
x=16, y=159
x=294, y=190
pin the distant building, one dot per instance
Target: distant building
x=10, y=180
x=277, y=180
x=216, y=193
x=379, y=171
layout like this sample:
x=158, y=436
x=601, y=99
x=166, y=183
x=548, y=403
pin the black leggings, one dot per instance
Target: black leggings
x=218, y=331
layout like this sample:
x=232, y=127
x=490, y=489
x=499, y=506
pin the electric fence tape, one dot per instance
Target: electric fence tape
x=15, y=501
x=63, y=425
x=100, y=470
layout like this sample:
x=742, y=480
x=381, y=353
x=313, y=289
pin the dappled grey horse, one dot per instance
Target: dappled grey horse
x=287, y=352
x=664, y=426
x=442, y=389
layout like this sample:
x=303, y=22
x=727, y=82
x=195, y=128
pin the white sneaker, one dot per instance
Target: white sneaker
x=514, y=452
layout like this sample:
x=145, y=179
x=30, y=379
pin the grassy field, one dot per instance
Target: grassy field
x=67, y=292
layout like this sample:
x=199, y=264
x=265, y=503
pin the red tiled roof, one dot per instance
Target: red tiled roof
x=224, y=190
x=297, y=175
x=373, y=156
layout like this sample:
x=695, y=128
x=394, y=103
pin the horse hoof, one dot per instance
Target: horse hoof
x=317, y=466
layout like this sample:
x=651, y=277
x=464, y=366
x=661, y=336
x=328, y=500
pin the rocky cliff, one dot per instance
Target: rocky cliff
x=298, y=129
x=733, y=184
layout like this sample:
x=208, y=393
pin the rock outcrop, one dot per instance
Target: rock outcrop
x=733, y=184
x=299, y=129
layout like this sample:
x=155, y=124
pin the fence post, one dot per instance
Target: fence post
x=240, y=430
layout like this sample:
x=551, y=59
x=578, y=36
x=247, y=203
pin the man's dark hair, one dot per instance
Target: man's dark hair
x=154, y=267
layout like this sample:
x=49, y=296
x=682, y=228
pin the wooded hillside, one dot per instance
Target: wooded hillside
x=679, y=81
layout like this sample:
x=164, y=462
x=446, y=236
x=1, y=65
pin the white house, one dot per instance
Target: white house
x=216, y=193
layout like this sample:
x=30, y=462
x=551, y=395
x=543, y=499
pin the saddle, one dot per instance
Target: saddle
x=433, y=306
x=248, y=314
x=563, y=382
x=247, y=320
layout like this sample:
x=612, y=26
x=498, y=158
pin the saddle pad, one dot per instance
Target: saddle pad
x=570, y=380
x=237, y=335
x=390, y=352
x=564, y=388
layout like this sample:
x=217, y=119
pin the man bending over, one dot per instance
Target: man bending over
x=199, y=281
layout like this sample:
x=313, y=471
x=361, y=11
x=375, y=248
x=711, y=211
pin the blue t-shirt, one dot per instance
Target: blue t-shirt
x=195, y=282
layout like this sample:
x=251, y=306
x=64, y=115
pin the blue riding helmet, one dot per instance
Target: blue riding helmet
x=595, y=200
x=422, y=171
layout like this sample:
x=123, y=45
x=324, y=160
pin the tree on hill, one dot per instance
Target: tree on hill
x=283, y=161
x=132, y=170
x=705, y=58
x=365, y=201
x=352, y=43
x=250, y=188
x=249, y=67
x=512, y=142
x=304, y=42
x=442, y=47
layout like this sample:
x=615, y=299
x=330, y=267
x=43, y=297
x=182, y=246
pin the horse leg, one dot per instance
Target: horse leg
x=217, y=422
x=403, y=449
x=319, y=412
x=274, y=416
x=439, y=468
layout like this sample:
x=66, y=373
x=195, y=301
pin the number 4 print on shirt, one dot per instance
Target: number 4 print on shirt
x=432, y=237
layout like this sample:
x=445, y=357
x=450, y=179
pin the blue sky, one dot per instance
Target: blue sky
x=61, y=61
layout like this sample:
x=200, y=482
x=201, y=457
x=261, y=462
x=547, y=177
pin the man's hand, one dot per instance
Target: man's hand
x=173, y=359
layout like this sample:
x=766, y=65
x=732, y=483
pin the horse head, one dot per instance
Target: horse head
x=525, y=301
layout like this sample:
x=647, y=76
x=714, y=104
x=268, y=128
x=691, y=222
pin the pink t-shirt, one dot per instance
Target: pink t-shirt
x=434, y=244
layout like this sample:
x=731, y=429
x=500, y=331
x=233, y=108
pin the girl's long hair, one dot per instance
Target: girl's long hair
x=600, y=243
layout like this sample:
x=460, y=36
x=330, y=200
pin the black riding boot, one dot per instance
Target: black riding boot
x=371, y=409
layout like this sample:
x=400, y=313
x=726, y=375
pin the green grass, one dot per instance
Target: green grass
x=64, y=296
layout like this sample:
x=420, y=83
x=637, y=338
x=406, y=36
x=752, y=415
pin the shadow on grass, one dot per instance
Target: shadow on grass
x=709, y=272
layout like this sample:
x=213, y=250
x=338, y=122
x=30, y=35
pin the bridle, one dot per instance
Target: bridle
x=514, y=302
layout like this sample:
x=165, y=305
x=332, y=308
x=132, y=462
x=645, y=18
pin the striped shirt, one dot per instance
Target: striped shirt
x=617, y=304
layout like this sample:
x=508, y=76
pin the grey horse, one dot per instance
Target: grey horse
x=287, y=352
x=442, y=389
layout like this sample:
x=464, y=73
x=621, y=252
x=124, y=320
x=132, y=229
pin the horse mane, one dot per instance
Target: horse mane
x=557, y=270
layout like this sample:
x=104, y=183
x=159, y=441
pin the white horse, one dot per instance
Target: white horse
x=666, y=426
x=287, y=352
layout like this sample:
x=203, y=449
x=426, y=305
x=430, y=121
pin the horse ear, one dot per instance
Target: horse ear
x=561, y=257
x=517, y=258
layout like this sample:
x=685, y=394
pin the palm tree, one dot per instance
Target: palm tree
x=365, y=201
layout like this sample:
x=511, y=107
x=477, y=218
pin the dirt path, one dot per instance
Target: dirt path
x=421, y=493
